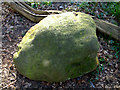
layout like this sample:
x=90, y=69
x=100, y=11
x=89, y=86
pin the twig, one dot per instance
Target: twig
x=9, y=38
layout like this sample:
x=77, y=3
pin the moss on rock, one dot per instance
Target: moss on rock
x=58, y=48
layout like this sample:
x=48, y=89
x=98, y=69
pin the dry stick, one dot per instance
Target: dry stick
x=12, y=74
x=33, y=17
x=95, y=6
x=41, y=11
x=28, y=8
x=5, y=16
x=9, y=38
x=33, y=10
x=27, y=13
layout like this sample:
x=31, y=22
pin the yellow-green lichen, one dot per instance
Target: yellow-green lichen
x=59, y=47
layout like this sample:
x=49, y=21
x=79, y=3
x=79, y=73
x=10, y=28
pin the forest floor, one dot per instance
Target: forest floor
x=14, y=27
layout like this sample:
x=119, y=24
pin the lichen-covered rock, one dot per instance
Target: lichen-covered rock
x=58, y=48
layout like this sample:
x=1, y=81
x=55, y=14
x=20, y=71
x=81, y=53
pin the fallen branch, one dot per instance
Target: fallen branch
x=41, y=11
x=108, y=28
x=29, y=12
x=37, y=15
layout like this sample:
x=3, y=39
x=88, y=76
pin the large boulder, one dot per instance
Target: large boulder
x=58, y=48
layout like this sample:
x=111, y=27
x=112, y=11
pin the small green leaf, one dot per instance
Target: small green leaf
x=97, y=78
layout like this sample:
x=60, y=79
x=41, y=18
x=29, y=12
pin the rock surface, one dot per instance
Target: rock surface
x=58, y=48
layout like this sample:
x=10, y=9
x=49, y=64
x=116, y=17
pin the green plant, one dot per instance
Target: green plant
x=83, y=5
x=114, y=9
